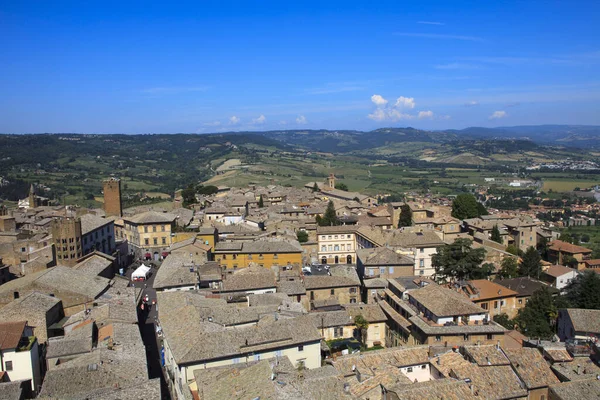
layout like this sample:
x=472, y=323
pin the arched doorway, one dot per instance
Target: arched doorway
x=349, y=259
x=323, y=260
x=337, y=260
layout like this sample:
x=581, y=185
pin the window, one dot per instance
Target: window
x=438, y=338
x=391, y=270
x=164, y=240
x=278, y=353
x=421, y=250
x=520, y=301
x=423, y=366
x=352, y=290
x=466, y=338
x=496, y=304
x=224, y=256
x=381, y=270
x=349, y=247
x=260, y=256
x=502, y=303
x=301, y=348
x=421, y=272
x=353, y=300
x=490, y=336
x=162, y=228
x=323, y=248
x=329, y=237
x=8, y=366
x=329, y=248
x=249, y=256
x=257, y=357
x=323, y=237
x=332, y=292
x=336, y=247
x=371, y=272
x=347, y=236
x=145, y=229
x=409, y=369
x=146, y=241
x=335, y=237
x=234, y=256
x=421, y=263
x=275, y=256
x=484, y=306
x=155, y=241
x=153, y=228
x=236, y=360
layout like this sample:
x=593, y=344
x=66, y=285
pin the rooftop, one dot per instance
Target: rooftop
x=151, y=217
x=585, y=320
x=524, y=286
x=382, y=256
x=559, y=245
x=91, y=222
x=444, y=302
x=11, y=333
x=531, y=367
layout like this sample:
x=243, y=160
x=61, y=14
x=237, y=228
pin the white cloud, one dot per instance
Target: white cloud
x=388, y=114
x=456, y=66
x=234, y=120
x=282, y=122
x=405, y=102
x=498, y=115
x=425, y=114
x=259, y=120
x=213, y=123
x=301, y=120
x=378, y=100
x=471, y=103
x=430, y=23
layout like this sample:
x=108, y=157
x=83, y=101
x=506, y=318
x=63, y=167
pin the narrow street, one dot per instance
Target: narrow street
x=148, y=332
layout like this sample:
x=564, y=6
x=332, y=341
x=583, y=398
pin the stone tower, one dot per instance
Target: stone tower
x=331, y=181
x=31, y=197
x=112, y=197
x=66, y=234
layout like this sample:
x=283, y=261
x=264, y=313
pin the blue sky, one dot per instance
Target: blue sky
x=213, y=66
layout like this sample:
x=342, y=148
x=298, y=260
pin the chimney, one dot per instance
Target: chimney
x=578, y=369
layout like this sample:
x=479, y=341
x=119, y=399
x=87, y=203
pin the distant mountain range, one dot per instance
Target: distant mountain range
x=565, y=135
x=350, y=140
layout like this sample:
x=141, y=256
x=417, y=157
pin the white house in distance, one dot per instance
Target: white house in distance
x=19, y=353
x=559, y=276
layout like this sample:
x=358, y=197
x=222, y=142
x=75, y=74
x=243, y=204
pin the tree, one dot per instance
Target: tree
x=189, y=195
x=315, y=187
x=585, y=238
x=496, y=237
x=510, y=268
x=506, y=322
x=570, y=261
x=584, y=291
x=362, y=325
x=405, y=218
x=302, y=236
x=481, y=210
x=542, y=247
x=566, y=237
x=261, y=202
x=537, y=318
x=514, y=250
x=531, y=263
x=341, y=186
x=465, y=206
x=458, y=261
x=207, y=190
x=330, y=217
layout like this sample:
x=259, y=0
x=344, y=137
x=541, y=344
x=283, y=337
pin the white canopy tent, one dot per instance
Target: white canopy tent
x=140, y=273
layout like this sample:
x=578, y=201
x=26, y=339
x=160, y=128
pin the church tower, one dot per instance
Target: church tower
x=331, y=181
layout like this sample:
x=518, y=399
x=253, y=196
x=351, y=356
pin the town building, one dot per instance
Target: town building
x=19, y=353
x=560, y=252
x=148, y=234
x=490, y=296
x=577, y=323
x=266, y=253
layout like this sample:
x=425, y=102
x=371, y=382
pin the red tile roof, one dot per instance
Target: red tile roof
x=559, y=245
x=10, y=334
